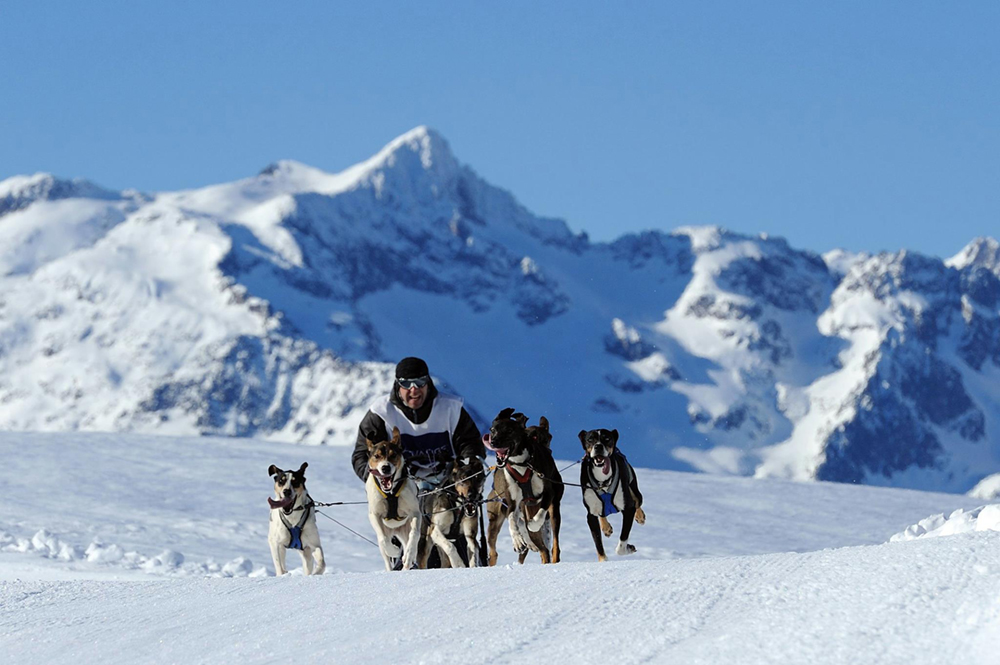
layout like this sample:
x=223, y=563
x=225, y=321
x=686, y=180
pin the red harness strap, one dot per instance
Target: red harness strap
x=524, y=482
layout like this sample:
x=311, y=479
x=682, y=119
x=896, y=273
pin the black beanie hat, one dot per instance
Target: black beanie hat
x=411, y=368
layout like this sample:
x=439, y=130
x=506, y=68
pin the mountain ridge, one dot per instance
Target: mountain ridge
x=274, y=306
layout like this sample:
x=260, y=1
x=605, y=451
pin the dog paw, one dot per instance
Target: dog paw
x=606, y=527
x=640, y=516
x=601, y=557
x=624, y=548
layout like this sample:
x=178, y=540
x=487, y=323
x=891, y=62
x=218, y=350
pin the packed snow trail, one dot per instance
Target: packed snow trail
x=929, y=601
x=118, y=548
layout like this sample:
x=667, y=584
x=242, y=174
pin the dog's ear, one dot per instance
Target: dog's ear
x=395, y=436
x=302, y=469
x=520, y=419
x=371, y=444
x=614, y=436
x=273, y=470
x=543, y=422
x=583, y=437
x=505, y=414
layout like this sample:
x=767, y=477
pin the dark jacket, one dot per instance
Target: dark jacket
x=466, y=438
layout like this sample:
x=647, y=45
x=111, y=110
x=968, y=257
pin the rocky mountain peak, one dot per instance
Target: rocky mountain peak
x=982, y=252
x=18, y=192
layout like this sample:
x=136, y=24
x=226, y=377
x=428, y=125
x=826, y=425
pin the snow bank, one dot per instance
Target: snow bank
x=987, y=489
x=984, y=518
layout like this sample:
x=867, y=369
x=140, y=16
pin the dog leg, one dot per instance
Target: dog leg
x=497, y=513
x=385, y=546
x=606, y=527
x=447, y=549
x=472, y=547
x=640, y=516
x=555, y=518
x=595, y=532
x=278, y=556
x=633, y=487
x=537, y=521
x=517, y=535
x=320, y=561
x=424, y=545
x=538, y=538
x=424, y=549
x=624, y=547
x=470, y=530
x=307, y=561
x=410, y=548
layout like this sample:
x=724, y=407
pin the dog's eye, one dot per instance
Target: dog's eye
x=279, y=480
x=593, y=437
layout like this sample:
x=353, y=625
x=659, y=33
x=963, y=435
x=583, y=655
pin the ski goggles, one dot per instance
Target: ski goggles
x=418, y=382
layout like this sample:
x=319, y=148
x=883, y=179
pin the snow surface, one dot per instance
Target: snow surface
x=138, y=549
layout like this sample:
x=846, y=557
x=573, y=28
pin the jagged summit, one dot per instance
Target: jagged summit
x=983, y=252
x=420, y=154
x=21, y=191
x=419, y=150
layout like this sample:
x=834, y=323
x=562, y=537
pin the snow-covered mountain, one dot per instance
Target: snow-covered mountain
x=275, y=307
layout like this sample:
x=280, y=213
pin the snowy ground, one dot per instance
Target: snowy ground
x=122, y=549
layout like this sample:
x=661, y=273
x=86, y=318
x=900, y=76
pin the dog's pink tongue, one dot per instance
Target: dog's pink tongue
x=284, y=503
x=607, y=465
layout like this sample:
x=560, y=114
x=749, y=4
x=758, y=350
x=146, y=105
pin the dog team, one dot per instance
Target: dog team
x=421, y=456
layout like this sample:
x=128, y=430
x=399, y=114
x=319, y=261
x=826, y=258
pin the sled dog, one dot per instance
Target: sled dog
x=609, y=486
x=393, y=507
x=527, y=487
x=293, y=522
x=454, y=513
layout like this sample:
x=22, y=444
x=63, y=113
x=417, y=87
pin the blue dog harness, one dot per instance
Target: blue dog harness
x=607, y=489
x=295, y=543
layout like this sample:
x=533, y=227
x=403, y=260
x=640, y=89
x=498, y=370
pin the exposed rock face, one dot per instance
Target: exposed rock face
x=276, y=307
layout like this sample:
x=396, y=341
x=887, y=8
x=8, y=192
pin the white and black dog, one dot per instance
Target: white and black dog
x=293, y=522
x=609, y=486
x=393, y=507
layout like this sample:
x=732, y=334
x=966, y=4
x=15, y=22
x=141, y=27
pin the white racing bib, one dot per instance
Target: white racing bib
x=426, y=443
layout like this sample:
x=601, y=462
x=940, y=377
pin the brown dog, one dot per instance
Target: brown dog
x=527, y=487
x=393, y=507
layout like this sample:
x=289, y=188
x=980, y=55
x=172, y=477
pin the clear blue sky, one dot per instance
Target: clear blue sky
x=863, y=125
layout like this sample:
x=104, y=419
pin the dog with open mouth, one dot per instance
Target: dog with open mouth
x=527, y=487
x=393, y=506
x=293, y=522
x=609, y=486
x=454, y=513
